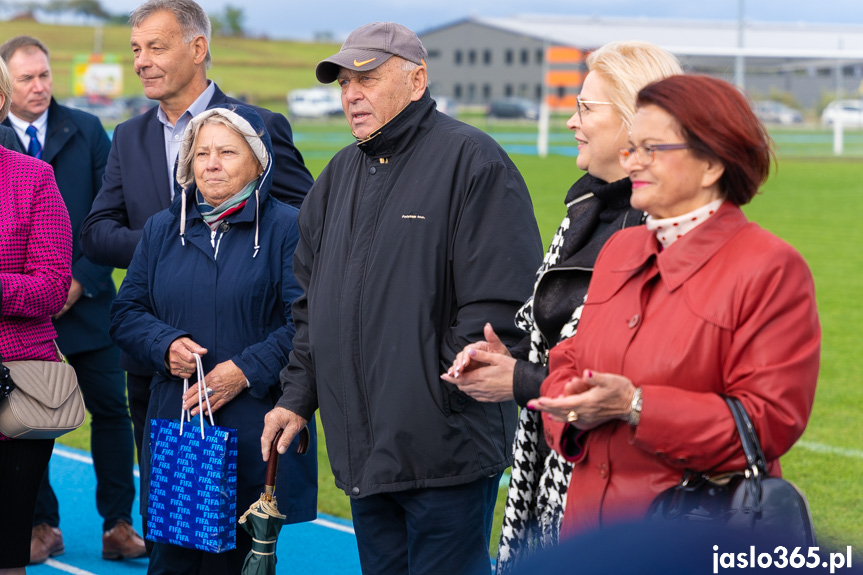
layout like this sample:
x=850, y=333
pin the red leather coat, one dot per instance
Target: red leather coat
x=729, y=309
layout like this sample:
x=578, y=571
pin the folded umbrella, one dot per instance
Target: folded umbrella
x=263, y=521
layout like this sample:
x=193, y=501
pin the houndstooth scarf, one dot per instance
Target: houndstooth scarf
x=536, y=497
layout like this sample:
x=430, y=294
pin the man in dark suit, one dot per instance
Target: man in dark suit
x=76, y=146
x=170, y=44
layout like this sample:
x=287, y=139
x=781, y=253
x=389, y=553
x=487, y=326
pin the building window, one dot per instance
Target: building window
x=508, y=57
x=539, y=92
x=434, y=54
x=486, y=91
x=471, y=92
x=525, y=57
x=507, y=90
x=458, y=57
x=486, y=57
x=456, y=91
x=471, y=57
x=540, y=55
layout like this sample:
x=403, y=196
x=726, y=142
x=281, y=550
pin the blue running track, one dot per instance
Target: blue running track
x=326, y=546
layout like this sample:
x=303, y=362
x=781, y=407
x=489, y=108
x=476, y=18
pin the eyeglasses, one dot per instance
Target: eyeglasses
x=584, y=110
x=646, y=154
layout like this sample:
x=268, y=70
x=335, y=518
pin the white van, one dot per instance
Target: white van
x=314, y=102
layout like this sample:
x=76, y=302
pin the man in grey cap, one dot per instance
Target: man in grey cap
x=411, y=240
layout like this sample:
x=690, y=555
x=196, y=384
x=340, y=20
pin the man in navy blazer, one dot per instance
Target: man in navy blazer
x=170, y=44
x=76, y=146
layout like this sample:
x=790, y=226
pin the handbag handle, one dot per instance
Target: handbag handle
x=186, y=414
x=748, y=436
x=756, y=462
x=7, y=385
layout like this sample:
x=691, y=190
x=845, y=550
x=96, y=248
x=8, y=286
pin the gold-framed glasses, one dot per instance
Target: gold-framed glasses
x=583, y=106
x=646, y=154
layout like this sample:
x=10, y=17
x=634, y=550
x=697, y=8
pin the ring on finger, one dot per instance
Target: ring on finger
x=572, y=416
x=209, y=391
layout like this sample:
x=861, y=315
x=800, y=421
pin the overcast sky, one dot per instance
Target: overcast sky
x=302, y=19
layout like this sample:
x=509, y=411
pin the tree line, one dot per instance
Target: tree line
x=230, y=22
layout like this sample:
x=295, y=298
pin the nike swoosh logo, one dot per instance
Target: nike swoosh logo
x=364, y=62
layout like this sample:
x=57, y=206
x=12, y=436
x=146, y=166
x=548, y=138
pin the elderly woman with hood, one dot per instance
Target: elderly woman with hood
x=212, y=275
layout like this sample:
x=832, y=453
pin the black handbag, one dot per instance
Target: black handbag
x=749, y=500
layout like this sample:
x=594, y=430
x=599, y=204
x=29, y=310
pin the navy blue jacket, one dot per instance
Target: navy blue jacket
x=136, y=182
x=77, y=147
x=238, y=306
x=136, y=186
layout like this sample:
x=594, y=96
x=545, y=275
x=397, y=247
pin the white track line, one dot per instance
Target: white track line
x=333, y=525
x=59, y=451
x=67, y=568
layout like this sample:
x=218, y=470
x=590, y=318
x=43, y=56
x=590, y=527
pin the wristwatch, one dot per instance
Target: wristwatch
x=635, y=408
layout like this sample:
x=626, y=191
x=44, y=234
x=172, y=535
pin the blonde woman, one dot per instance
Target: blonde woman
x=597, y=205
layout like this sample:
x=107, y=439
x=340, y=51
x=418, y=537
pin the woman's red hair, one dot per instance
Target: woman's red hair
x=717, y=122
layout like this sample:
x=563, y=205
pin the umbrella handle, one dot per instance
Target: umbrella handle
x=273, y=462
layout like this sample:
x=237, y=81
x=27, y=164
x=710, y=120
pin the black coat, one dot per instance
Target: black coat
x=409, y=243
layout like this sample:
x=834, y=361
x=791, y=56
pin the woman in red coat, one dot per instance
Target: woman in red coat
x=697, y=304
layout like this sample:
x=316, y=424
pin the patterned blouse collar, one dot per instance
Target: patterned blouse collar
x=669, y=230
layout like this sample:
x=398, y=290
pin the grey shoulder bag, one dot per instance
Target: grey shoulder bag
x=42, y=399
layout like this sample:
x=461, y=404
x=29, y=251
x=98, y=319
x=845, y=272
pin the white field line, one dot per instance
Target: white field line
x=67, y=568
x=822, y=448
x=59, y=451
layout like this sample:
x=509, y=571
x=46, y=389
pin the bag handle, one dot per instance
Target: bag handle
x=748, y=436
x=755, y=460
x=7, y=385
x=186, y=414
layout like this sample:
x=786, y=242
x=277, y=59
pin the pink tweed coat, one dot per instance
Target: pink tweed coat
x=35, y=256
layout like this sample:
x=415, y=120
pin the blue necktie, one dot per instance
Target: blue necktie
x=34, y=148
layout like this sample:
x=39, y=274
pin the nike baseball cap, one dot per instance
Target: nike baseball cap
x=371, y=45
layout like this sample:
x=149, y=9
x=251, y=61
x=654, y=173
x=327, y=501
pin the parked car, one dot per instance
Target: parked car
x=315, y=102
x=848, y=112
x=103, y=107
x=773, y=112
x=514, y=108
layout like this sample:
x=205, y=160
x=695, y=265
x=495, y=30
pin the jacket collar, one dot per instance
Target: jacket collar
x=398, y=134
x=688, y=254
x=59, y=131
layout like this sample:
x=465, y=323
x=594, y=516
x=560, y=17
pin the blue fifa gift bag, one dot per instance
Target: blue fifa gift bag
x=193, y=482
